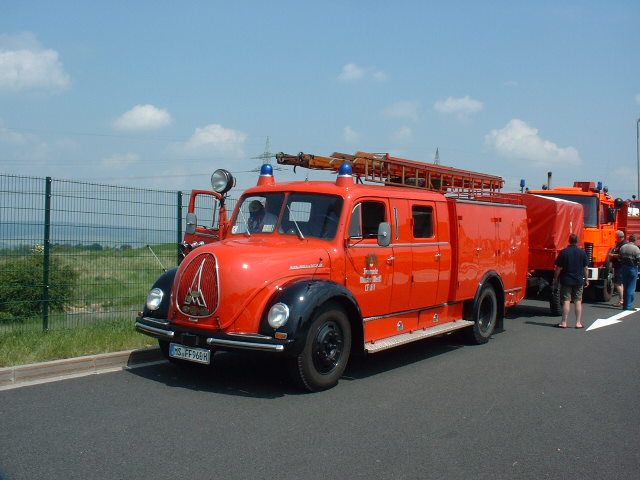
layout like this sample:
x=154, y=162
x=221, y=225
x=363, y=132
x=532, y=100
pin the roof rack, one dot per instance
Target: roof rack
x=388, y=170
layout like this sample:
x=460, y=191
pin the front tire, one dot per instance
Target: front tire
x=604, y=294
x=326, y=351
x=484, y=316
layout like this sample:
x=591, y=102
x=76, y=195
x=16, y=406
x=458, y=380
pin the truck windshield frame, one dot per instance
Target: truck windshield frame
x=317, y=215
x=590, y=205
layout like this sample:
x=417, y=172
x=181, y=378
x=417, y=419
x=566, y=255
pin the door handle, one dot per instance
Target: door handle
x=438, y=256
x=390, y=259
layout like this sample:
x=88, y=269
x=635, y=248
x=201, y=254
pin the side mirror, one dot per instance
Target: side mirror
x=384, y=234
x=613, y=213
x=192, y=221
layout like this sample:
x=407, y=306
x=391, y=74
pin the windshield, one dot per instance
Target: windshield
x=589, y=205
x=302, y=214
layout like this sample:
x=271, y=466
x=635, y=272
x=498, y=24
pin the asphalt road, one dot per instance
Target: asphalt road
x=535, y=402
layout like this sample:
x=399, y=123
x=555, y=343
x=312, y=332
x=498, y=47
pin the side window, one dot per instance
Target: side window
x=422, y=221
x=365, y=219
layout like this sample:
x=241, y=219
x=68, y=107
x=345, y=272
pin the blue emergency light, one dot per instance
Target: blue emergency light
x=345, y=170
x=266, y=169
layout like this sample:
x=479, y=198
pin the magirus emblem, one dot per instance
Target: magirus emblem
x=194, y=302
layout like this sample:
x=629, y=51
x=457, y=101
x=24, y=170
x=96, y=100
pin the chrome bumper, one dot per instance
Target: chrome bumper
x=161, y=329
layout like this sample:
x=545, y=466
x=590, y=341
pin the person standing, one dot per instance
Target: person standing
x=630, y=258
x=617, y=266
x=571, y=272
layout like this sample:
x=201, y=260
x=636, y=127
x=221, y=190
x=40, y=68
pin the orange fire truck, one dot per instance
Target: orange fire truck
x=601, y=216
x=392, y=252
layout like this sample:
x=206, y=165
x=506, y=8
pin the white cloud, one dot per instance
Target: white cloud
x=25, y=65
x=121, y=160
x=352, y=72
x=519, y=141
x=143, y=117
x=459, y=106
x=215, y=138
x=404, y=133
x=402, y=109
x=350, y=135
x=9, y=136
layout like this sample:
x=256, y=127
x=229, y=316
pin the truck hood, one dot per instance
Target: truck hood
x=248, y=271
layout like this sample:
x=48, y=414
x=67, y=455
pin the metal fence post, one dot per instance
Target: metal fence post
x=46, y=245
x=179, y=230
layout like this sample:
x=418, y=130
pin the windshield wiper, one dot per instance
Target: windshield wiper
x=246, y=224
x=300, y=235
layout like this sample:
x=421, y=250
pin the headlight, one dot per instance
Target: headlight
x=154, y=298
x=278, y=315
x=222, y=181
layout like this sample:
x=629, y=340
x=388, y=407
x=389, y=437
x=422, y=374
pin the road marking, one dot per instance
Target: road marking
x=604, y=322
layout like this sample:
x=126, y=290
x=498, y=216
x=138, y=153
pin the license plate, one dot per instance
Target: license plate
x=198, y=355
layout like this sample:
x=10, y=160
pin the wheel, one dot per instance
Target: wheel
x=604, y=294
x=555, y=302
x=164, y=349
x=484, y=316
x=326, y=351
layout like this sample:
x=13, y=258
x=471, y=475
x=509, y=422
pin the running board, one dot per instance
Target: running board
x=396, y=340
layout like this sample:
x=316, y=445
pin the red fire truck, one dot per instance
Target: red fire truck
x=392, y=252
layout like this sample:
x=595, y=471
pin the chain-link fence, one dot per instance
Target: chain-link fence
x=74, y=253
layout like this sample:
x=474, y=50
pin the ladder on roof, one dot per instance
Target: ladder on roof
x=388, y=170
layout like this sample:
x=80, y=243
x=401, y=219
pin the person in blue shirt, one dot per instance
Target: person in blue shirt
x=572, y=274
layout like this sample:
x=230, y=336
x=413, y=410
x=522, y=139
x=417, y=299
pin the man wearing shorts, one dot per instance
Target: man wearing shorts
x=617, y=265
x=571, y=272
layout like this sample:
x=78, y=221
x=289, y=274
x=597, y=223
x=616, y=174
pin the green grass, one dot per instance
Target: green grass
x=23, y=347
x=97, y=317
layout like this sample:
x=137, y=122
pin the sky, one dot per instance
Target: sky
x=159, y=94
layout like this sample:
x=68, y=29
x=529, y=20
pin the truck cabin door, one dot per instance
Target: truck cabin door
x=431, y=256
x=369, y=266
x=203, y=217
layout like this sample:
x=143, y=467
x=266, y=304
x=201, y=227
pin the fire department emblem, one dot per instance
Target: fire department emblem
x=372, y=261
x=194, y=301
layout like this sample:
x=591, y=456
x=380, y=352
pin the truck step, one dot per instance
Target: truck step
x=396, y=340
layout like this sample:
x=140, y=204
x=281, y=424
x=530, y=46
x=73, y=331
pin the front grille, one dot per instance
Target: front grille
x=198, y=287
x=588, y=247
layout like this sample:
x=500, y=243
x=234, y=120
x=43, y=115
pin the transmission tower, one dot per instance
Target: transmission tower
x=266, y=157
x=436, y=158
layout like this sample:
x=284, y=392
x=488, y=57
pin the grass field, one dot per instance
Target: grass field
x=23, y=347
x=110, y=287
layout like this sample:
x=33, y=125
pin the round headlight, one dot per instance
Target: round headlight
x=278, y=315
x=154, y=298
x=222, y=181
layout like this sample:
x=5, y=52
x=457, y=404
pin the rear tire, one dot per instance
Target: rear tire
x=326, y=351
x=484, y=316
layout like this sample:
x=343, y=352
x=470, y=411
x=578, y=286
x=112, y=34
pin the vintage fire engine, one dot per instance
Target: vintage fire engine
x=392, y=252
x=601, y=216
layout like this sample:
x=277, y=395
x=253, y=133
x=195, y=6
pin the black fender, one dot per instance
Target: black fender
x=492, y=278
x=164, y=283
x=304, y=298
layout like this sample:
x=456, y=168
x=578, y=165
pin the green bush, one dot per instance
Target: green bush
x=21, y=288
